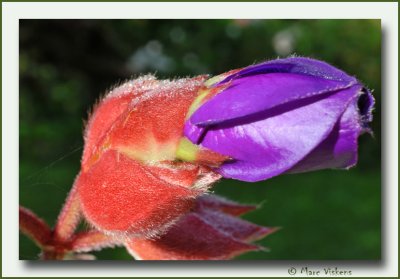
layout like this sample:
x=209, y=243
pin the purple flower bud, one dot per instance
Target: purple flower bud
x=282, y=116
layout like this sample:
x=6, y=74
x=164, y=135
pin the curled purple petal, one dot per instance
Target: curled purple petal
x=272, y=142
x=193, y=132
x=286, y=115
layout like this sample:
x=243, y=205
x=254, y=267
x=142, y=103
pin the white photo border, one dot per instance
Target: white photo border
x=12, y=12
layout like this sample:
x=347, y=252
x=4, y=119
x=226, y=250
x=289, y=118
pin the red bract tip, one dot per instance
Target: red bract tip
x=224, y=205
x=34, y=227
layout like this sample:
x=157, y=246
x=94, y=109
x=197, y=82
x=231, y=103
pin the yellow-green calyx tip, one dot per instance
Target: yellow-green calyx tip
x=187, y=151
x=197, y=102
x=213, y=80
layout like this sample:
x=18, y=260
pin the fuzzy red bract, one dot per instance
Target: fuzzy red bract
x=130, y=182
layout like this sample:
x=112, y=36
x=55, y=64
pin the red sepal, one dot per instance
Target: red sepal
x=192, y=238
x=210, y=232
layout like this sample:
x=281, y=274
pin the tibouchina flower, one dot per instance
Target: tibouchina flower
x=281, y=116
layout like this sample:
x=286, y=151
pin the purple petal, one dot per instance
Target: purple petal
x=339, y=149
x=294, y=65
x=269, y=143
x=252, y=94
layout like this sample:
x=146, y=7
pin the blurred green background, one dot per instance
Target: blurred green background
x=65, y=65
